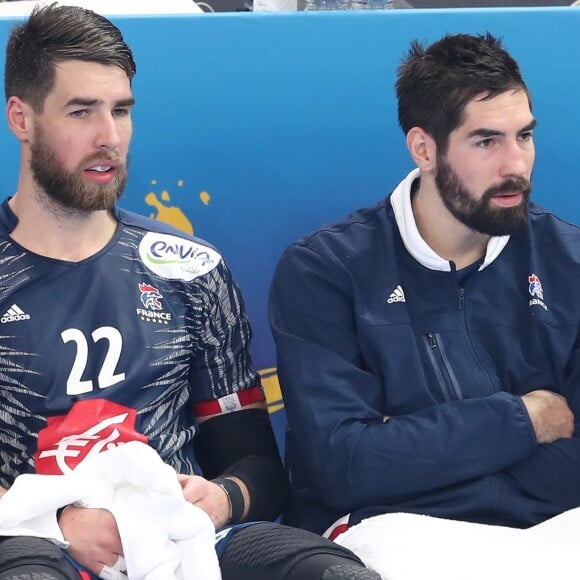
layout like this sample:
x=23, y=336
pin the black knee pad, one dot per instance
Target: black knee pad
x=28, y=558
x=271, y=551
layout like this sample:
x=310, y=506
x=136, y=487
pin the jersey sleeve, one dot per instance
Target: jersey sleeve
x=223, y=378
x=336, y=410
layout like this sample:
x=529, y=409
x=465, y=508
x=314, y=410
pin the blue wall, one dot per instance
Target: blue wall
x=261, y=127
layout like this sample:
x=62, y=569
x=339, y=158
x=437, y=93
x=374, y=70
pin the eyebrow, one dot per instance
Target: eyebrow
x=482, y=132
x=78, y=101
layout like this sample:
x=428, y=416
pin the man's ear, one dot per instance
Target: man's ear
x=423, y=149
x=19, y=115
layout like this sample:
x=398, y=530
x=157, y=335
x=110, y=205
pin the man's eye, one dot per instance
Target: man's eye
x=485, y=143
x=527, y=136
x=120, y=112
x=78, y=114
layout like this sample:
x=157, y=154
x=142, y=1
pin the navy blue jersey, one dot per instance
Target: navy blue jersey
x=130, y=344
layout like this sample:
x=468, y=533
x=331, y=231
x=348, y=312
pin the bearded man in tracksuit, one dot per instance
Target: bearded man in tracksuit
x=428, y=347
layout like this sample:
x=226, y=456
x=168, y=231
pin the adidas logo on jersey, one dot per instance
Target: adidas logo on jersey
x=14, y=314
x=397, y=295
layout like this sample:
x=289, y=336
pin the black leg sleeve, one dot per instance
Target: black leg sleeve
x=28, y=558
x=266, y=551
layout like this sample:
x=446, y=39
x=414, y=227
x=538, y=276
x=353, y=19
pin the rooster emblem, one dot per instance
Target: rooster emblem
x=535, y=287
x=150, y=297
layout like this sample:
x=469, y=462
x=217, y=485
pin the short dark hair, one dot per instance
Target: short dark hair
x=435, y=84
x=55, y=34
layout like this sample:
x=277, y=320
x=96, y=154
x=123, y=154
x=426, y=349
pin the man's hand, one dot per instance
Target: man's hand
x=550, y=415
x=93, y=536
x=209, y=496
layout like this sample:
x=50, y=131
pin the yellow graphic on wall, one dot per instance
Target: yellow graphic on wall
x=174, y=215
x=272, y=389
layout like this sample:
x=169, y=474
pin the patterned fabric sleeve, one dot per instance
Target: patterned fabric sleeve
x=222, y=377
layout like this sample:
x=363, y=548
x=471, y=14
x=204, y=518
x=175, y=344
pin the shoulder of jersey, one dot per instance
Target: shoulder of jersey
x=170, y=253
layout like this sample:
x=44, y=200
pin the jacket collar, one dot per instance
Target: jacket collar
x=415, y=244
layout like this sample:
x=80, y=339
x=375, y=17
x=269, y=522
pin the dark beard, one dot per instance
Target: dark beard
x=69, y=189
x=479, y=215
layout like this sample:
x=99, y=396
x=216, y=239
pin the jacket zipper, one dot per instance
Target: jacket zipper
x=442, y=367
x=484, y=370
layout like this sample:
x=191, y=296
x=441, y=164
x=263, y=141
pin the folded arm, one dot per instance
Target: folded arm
x=551, y=474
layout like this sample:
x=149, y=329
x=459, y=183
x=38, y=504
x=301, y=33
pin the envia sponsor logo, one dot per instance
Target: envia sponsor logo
x=177, y=258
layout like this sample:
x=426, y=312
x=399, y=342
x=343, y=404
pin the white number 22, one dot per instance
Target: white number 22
x=107, y=376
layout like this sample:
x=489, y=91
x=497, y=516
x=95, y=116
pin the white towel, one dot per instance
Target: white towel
x=164, y=537
x=404, y=546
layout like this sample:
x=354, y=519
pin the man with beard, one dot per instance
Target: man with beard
x=428, y=347
x=109, y=342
